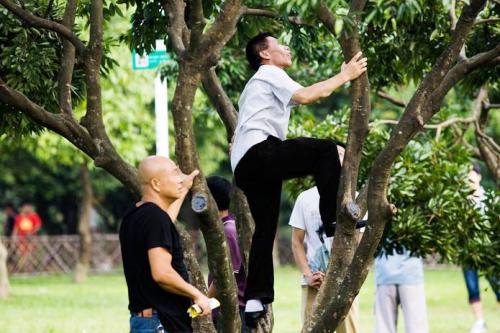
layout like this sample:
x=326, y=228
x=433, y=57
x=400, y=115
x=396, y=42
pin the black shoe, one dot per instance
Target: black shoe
x=361, y=224
x=329, y=229
x=252, y=318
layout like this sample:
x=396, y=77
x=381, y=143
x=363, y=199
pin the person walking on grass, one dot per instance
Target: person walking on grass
x=262, y=157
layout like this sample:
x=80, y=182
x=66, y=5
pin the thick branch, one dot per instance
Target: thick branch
x=67, y=62
x=93, y=117
x=223, y=28
x=74, y=133
x=31, y=109
x=196, y=20
x=220, y=101
x=271, y=14
x=38, y=22
x=459, y=71
x=392, y=99
x=176, y=24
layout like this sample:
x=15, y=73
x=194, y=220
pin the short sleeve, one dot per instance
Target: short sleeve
x=158, y=232
x=297, y=219
x=282, y=85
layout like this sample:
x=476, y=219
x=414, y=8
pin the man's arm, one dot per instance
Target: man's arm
x=348, y=72
x=299, y=254
x=187, y=182
x=167, y=278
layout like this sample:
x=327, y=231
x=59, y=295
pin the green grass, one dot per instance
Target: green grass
x=53, y=304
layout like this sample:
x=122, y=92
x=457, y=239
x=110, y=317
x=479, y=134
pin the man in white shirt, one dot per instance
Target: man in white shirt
x=261, y=157
x=313, y=262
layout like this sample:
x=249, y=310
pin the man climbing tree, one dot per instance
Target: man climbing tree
x=262, y=158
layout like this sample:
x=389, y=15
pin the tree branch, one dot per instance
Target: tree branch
x=392, y=99
x=489, y=106
x=453, y=14
x=271, y=14
x=93, y=117
x=223, y=28
x=38, y=22
x=176, y=24
x=220, y=101
x=67, y=62
x=444, y=124
x=196, y=20
x=488, y=21
x=31, y=109
x=459, y=71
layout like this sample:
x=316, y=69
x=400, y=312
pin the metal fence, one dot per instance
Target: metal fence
x=52, y=254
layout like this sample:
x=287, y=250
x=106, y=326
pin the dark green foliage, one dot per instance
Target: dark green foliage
x=29, y=62
x=430, y=187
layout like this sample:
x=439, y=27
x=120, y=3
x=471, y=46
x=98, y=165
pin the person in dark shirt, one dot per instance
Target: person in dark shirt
x=10, y=218
x=157, y=280
x=221, y=190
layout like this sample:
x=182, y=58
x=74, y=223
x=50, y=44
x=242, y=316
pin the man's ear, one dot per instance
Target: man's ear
x=264, y=54
x=155, y=184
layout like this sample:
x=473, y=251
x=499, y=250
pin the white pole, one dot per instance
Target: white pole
x=161, y=113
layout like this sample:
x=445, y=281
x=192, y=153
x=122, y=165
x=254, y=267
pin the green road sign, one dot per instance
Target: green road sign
x=148, y=61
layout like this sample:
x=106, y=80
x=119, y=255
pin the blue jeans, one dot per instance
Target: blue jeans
x=146, y=324
x=472, y=283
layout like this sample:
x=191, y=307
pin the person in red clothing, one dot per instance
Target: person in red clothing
x=28, y=222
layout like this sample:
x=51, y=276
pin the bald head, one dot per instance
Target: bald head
x=159, y=174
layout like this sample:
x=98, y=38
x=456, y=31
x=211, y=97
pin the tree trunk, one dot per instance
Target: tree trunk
x=266, y=324
x=83, y=265
x=203, y=203
x=244, y=224
x=200, y=324
x=4, y=276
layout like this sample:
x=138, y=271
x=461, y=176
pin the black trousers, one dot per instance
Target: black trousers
x=259, y=174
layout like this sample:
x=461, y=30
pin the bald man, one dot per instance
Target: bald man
x=157, y=279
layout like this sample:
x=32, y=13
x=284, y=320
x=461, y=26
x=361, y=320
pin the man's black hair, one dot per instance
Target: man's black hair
x=221, y=190
x=254, y=47
x=9, y=204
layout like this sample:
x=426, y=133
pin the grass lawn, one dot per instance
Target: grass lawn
x=53, y=304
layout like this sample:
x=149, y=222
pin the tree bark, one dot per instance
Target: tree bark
x=203, y=203
x=85, y=255
x=200, y=324
x=4, y=275
x=345, y=242
x=418, y=111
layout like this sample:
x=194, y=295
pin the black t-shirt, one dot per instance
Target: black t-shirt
x=143, y=228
